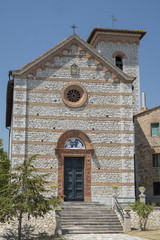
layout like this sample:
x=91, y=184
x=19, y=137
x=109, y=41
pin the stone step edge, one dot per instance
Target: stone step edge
x=89, y=217
x=91, y=214
x=79, y=227
x=92, y=231
x=92, y=223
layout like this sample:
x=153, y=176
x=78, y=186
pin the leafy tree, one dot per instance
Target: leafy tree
x=143, y=210
x=4, y=166
x=25, y=194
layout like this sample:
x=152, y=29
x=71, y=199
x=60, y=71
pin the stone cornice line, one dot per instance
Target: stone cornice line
x=114, y=33
x=94, y=157
x=109, y=184
x=54, y=143
x=63, y=105
x=59, y=92
x=114, y=39
x=63, y=130
x=112, y=171
x=92, y=170
x=111, y=80
x=73, y=118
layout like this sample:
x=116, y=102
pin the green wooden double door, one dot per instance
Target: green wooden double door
x=74, y=178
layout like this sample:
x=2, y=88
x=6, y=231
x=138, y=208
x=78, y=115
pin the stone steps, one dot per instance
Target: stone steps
x=94, y=231
x=86, y=218
x=94, y=219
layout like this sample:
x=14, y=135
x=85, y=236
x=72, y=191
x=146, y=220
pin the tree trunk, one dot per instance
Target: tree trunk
x=141, y=224
x=145, y=223
x=20, y=226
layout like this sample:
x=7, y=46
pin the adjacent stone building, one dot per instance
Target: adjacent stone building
x=74, y=106
x=147, y=152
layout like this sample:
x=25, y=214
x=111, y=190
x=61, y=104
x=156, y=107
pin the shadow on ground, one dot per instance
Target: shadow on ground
x=27, y=234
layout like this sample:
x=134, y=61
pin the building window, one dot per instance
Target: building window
x=156, y=160
x=74, y=95
x=156, y=188
x=154, y=129
x=74, y=143
x=119, y=63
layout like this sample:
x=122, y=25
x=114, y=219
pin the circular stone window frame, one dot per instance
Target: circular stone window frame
x=79, y=88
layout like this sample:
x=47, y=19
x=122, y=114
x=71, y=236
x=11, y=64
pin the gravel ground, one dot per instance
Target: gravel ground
x=101, y=237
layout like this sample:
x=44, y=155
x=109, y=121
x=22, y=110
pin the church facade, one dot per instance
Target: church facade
x=74, y=107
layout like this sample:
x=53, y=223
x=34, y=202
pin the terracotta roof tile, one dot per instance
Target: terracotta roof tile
x=145, y=112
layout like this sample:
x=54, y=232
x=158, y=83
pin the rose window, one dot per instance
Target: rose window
x=73, y=95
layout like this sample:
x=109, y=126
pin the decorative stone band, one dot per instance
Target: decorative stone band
x=53, y=156
x=75, y=118
x=63, y=148
x=114, y=39
x=92, y=170
x=112, y=183
x=56, y=91
x=73, y=80
x=61, y=105
x=63, y=130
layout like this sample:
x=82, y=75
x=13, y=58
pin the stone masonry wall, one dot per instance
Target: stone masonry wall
x=145, y=146
x=153, y=220
x=33, y=228
x=40, y=117
x=130, y=64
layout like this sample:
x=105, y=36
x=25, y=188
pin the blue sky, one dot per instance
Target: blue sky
x=28, y=28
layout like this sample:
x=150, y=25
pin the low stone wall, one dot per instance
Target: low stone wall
x=153, y=220
x=33, y=228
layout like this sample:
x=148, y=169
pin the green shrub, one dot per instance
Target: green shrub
x=143, y=210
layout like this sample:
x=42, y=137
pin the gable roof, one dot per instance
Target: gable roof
x=147, y=111
x=110, y=66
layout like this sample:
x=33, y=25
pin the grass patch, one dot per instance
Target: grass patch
x=56, y=238
x=153, y=234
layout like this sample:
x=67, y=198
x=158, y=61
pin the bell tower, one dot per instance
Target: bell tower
x=121, y=48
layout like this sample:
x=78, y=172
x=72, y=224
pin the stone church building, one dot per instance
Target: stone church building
x=74, y=107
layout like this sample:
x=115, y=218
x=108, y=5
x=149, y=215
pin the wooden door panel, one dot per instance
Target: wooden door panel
x=74, y=178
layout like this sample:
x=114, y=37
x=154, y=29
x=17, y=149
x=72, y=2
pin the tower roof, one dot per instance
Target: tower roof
x=97, y=30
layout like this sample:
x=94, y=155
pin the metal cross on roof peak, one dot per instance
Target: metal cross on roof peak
x=73, y=27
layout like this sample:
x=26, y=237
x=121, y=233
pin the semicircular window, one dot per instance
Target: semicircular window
x=74, y=143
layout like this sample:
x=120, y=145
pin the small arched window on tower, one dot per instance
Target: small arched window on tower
x=119, y=59
x=119, y=62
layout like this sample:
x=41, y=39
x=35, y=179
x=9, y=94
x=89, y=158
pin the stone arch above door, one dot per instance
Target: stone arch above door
x=74, y=134
x=85, y=152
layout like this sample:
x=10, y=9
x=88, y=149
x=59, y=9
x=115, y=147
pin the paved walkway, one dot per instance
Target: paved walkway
x=101, y=237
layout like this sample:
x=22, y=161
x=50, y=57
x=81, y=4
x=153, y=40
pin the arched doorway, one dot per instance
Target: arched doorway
x=74, y=150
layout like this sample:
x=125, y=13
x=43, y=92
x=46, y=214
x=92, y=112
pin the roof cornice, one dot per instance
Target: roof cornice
x=97, y=30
